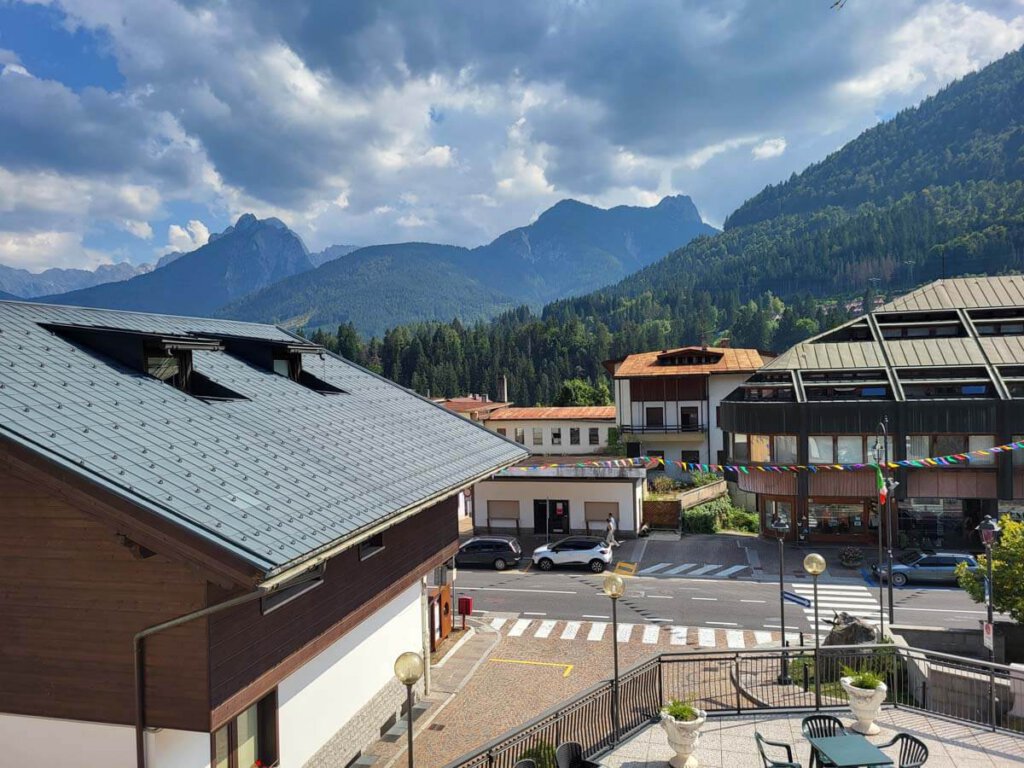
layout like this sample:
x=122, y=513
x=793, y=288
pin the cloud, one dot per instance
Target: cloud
x=769, y=148
x=193, y=235
x=36, y=251
x=140, y=229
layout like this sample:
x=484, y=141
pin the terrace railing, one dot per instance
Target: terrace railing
x=741, y=682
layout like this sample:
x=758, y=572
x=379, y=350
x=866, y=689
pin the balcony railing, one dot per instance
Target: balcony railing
x=737, y=682
x=669, y=429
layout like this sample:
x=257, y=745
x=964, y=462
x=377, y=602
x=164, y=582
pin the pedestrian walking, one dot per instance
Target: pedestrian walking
x=609, y=532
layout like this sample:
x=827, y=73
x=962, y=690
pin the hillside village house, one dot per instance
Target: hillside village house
x=667, y=402
x=473, y=407
x=945, y=365
x=152, y=467
x=557, y=431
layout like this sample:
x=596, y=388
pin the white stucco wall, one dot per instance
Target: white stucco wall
x=43, y=742
x=547, y=448
x=719, y=388
x=626, y=493
x=322, y=696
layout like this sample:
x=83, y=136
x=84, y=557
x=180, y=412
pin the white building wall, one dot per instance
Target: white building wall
x=627, y=493
x=322, y=696
x=719, y=388
x=548, y=448
x=623, y=413
x=43, y=742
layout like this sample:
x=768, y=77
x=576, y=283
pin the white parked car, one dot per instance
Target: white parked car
x=589, y=551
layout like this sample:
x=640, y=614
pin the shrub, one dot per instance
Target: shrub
x=851, y=557
x=680, y=710
x=542, y=753
x=742, y=520
x=698, y=478
x=865, y=679
x=700, y=519
x=663, y=484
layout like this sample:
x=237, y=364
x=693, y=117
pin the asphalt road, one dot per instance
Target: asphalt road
x=576, y=595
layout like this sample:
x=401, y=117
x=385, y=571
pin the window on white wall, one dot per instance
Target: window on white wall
x=250, y=739
x=574, y=435
x=595, y=436
x=538, y=436
x=520, y=435
x=556, y=435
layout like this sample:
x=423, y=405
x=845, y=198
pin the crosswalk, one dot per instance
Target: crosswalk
x=854, y=599
x=643, y=634
x=694, y=570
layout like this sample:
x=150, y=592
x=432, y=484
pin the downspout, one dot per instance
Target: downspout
x=138, y=654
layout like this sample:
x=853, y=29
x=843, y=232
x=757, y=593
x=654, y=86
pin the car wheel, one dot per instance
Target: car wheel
x=500, y=565
x=545, y=564
x=597, y=566
x=899, y=579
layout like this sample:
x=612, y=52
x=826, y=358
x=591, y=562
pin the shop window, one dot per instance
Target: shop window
x=835, y=519
x=978, y=442
x=820, y=449
x=574, y=435
x=740, y=447
x=785, y=449
x=556, y=436
x=250, y=739
x=538, y=436
x=760, y=451
x=520, y=435
x=850, y=449
x=945, y=445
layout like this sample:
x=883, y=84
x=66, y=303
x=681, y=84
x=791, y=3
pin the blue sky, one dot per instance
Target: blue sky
x=129, y=128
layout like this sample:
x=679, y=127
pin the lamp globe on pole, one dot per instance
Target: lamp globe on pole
x=814, y=564
x=408, y=670
x=781, y=527
x=615, y=587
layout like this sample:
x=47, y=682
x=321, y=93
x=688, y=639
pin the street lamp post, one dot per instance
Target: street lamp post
x=408, y=670
x=885, y=520
x=989, y=531
x=814, y=564
x=781, y=527
x=615, y=587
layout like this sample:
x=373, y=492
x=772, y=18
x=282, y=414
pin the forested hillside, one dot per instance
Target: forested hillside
x=938, y=190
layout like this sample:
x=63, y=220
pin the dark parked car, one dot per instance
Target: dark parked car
x=926, y=568
x=498, y=552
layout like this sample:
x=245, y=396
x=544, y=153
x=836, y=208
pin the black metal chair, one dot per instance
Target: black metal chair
x=817, y=727
x=913, y=752
x=570, y=755
x=771, y=762
x=526, y=763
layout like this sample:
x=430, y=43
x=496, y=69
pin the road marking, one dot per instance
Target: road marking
x=705, y=569
x=653, y=569
x=677, y=635
x=734, y=638
x=571, y=630
x=731, y=570
x=544, y=630
x=566, y=668
x=705, y=598
x=596, y=630
x=477, y=610
x=663, y=621
x=595, y=616
x=626, y=569
x=533, y=613
x=937, y=610
x=706, y=637
x=753, y=601
x=625, y=630
x=498, y=623
x=651, y=632
x=724, y=623
x=660, y=597
x=679, y=569
x=519, y=627
x=761, y=637
x=509, y=589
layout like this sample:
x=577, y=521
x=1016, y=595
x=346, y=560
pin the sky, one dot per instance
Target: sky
x=131, y=128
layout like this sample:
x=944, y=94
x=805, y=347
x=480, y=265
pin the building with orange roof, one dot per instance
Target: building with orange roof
x=667, y=401
x=557, y=431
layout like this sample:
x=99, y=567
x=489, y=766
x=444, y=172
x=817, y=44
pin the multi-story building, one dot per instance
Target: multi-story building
x=215, y=540
x=944, y=365
x=557, y=431
x=667, y=402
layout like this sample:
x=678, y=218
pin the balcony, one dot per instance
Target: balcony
x=664, y=429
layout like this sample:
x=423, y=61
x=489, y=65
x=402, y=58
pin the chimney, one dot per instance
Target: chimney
x=503, y=389
x=725, y=343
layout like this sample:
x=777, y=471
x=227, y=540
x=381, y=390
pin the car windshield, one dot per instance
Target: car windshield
x=909, y=558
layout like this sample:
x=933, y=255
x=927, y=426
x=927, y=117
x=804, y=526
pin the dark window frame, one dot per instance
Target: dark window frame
x=268, y=728
x=574, y=435
x=372, y=546
x=594, y=436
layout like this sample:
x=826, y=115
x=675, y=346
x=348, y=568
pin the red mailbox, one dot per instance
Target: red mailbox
x=465, y=608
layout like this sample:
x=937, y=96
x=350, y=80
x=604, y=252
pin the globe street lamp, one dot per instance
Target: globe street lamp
x=408, y=670
x=988, y=529
x=781, y=527
x=814, y=564
x=615, y=587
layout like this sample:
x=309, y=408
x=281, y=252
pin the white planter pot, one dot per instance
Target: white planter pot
x=866, y=705
x=682, y=737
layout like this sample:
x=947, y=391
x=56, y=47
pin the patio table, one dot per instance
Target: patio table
x=850, y=751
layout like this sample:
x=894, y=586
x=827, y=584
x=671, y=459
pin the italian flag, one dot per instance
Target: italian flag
x=883, y=490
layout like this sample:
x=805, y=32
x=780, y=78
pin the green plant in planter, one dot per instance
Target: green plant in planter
x=542, y=753
x=680, y=710
x=865, y=679
x=851, y=557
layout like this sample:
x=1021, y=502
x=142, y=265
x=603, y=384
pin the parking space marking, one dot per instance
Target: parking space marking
x=519, y=627
x=625, y=630
x=596, y=630
x=651, y=632
x=677, y=635
x=566, y=668
x=544, y=630
x=572, y=628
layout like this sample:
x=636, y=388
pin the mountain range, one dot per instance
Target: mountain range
x=258, y=269
x=24, y=284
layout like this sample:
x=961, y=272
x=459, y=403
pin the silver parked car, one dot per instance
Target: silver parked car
x=925, y=568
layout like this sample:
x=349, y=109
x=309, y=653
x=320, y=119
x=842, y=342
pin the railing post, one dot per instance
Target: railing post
x=736, y=679
x=924, y=694
x=661, y=685
x=490, y=757
x=806, y=681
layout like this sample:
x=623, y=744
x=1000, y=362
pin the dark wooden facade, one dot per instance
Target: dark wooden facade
x=74, y=591
x=655, y=389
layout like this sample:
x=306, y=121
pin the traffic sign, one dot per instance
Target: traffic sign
x=987, y=635
x=792, y=597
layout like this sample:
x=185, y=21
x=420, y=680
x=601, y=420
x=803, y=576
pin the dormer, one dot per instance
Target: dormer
x=283, y=357
x=689, y=356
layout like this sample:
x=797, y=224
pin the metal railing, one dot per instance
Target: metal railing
x=739, y=682
x=637, y=429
